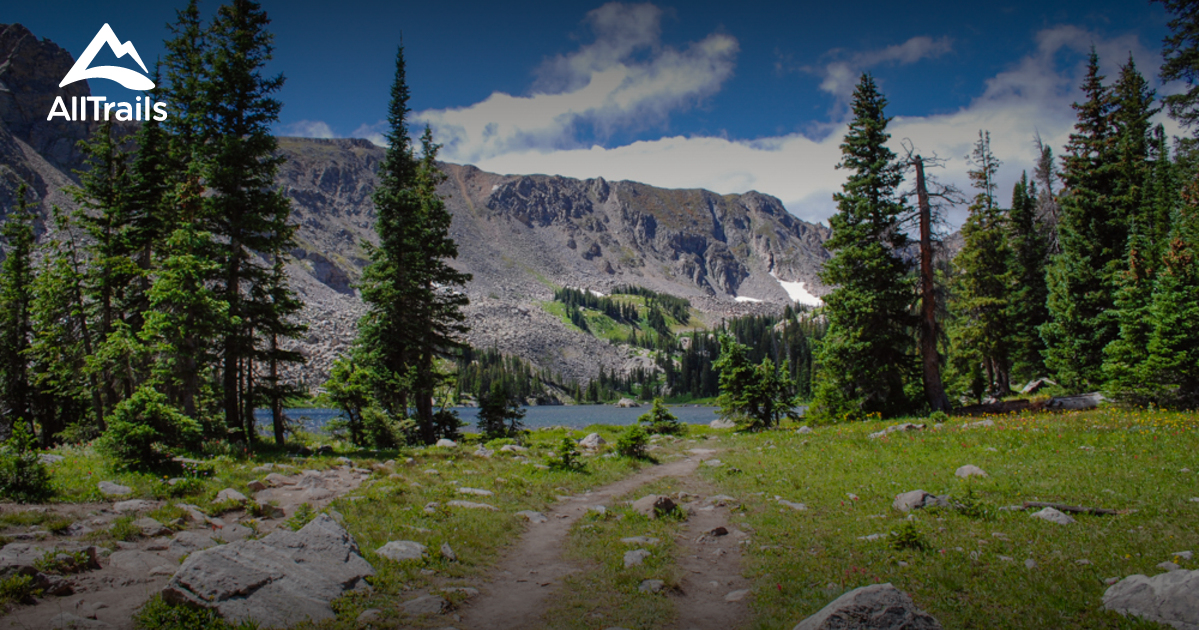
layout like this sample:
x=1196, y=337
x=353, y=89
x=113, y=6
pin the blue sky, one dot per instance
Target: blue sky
x=729, y=96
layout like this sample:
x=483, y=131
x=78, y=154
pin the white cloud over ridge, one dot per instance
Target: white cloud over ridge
x=1032, y=96
x=625, y=79
x=308, y=129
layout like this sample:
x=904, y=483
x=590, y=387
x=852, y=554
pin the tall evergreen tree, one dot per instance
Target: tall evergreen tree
x=16, y=298
x=412, y=295
x=1026, y=308
x=244, y=211
x=1180, y=51
x=981, y=330
x=867, y=356
x=1094, y=240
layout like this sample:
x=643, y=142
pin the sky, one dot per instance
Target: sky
x=727, y=96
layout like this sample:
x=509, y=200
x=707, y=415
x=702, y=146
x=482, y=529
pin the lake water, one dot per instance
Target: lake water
x=573, y=416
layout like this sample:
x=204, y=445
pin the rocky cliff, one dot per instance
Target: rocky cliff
x=520, y=236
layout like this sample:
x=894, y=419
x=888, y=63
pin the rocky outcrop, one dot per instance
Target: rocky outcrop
x=1170, y=598
x=279, y=581
x=874, y=607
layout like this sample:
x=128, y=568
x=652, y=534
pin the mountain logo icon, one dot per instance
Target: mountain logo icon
x=126, y=77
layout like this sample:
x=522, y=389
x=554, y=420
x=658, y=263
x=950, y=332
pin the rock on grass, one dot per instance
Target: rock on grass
x=874, y=607
x=1170, y=598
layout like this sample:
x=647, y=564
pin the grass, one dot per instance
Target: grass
x=606, y=593
x=973, y=573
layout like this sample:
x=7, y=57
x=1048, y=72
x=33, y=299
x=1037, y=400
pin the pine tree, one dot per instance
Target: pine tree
x=16, y=298
x=866, y=358
x=1026, y=307
x=1180, y=51
x=414, y=314
x=981, y=329
x=244, y=211
x=1082, y=279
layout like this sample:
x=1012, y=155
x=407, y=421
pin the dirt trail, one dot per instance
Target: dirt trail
x=710, y=564
x=531, y=571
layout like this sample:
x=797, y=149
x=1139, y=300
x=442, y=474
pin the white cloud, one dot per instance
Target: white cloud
x=374, y=133
x=1031, y=96
x=308, y=129
x=841, y=69
x=625, y=79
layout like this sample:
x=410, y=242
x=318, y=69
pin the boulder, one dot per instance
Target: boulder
x=874, y=607
x=1053, y=516
x=722, y=423
x=151, y=528
x=112, y=489
x=635, y=557
x=805, y=429
x=654, y=505
x=229, y=494
x=970, y=470
x=640, y=540
x=651, y=586
x=917, y=499
x=512, y=448
x=475, y=491
x=1169, y=598
x=905, y=426
x=470, y=505
x=401, y=550
x=593, y=440
x=275, y=480
x=532, y=517
x=627, y=403
x=443, y=442
x=133, y=505
x=138, y=562
x=1078, y=402
x=427, y=605
x=187, y=542
x=278, y=581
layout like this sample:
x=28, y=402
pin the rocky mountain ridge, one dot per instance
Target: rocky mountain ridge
x=520, y=236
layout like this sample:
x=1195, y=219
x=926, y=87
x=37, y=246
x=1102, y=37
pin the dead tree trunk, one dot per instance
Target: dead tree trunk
x=928, y=301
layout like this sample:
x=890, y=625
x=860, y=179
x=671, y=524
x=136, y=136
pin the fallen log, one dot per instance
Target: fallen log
x=1076, y=509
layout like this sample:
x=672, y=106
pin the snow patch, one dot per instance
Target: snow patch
x=740, y=298
x=495, y=187
x=798, y=293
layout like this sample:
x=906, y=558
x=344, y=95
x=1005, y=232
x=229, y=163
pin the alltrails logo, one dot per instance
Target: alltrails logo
x=100, y=109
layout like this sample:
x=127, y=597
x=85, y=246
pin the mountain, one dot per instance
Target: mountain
x=520, y=236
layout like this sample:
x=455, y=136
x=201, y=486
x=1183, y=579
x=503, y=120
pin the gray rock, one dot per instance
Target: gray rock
x=917, y=499
x=446, y=443
x=137, y=561
x=721, y=423
x=905, y=426
x=190, y=541
x=281, y=580
x=275, y=480
x=1168, y=566
x=229, y=494
x=798, y=507
x=532, y=517
x=470, y=505
x=1185, y=555
x=47, y=458
x=593, y=440
x=133, y=505
x=714, y=463
x=627, y=403
x=970, y=470
x=151, y=528
x=635, y=557
x=654, y=505
x=1171, y=598
x=369, y=616
x=1030, y=564
x=111, y=489
x=447, y=552
x=874, y=607
x=512, y=448
x=640, y=540
x=427, y=605
x=401, y=550
x=651, y=586
x=804, y=429
x=1053, y=516
x=1079, y=402
x=475, y=491
x=736, y=596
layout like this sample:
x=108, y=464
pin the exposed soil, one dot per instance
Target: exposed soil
x=531, y=571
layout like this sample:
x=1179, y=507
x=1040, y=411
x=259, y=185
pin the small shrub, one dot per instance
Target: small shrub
x=566, y=457
x=183, y=487
x=303, y=516
x=157, y=614
x=659, y=420
x=62, y=562
x=908, y=537
x=17, y=588
x=144, y=429
x=972, y=506
x=169, y=514
x=124, y=530
x=500, y=414
x=23, y=476
x=937, y=417
x=632, y=442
